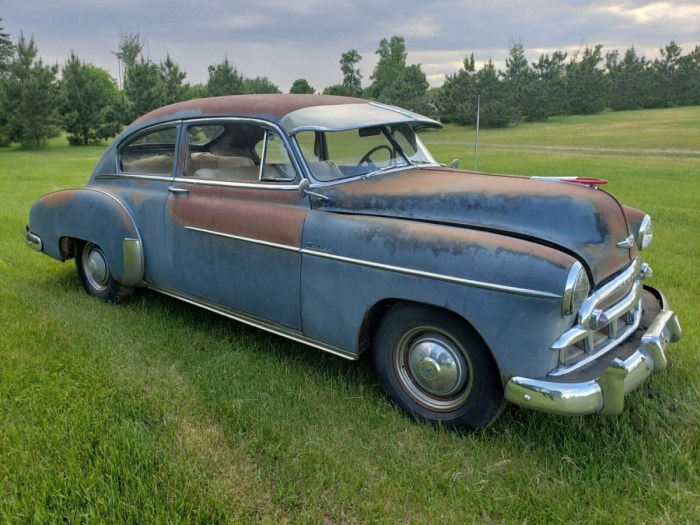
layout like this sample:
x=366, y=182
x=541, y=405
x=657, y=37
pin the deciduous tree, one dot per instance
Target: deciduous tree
x=301, y=86
x=352, y=77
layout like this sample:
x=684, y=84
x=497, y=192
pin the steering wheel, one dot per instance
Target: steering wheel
x=367, y=158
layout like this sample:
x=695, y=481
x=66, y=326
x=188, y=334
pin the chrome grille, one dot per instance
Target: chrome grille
x=619, y=300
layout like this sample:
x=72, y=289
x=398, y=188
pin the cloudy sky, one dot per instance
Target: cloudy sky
x=289, y=39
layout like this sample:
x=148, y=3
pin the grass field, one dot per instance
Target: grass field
x=156, y=411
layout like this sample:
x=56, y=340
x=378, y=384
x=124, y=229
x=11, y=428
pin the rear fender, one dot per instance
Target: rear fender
x=90, y=215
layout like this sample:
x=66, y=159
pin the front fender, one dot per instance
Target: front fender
x=90, y=215
x=509, y=290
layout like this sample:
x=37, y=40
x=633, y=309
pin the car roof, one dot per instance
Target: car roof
x=267, y=107
x=292, y=112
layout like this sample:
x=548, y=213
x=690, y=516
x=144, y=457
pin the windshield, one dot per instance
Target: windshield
x=335, y=155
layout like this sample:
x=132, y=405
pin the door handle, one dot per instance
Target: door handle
x=173, y=189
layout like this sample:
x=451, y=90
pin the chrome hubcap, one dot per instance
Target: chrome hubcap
x=97, y=269
x=433, y=369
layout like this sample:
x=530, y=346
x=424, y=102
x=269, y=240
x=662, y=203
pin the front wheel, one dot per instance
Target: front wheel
x=95, y=274
x=433, y=366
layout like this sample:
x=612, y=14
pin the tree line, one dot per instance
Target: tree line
x=85, y=102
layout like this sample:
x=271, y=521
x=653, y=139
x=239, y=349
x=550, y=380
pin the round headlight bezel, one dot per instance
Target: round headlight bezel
x=646, y=233
x=576, y=290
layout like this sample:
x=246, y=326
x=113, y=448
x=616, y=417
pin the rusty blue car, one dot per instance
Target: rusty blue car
x=327, y=221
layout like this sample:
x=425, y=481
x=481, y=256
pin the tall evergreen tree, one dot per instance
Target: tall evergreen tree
x=173, y=81
x=550, y=75
x=456, y=98
x=89, y=102
x=690, y=67
x=7, y=50
x=224, y=79
x=260, y=85
x=496, y=109
x=586, y=82
x=519, y=80
x=666, y=69
x=144, y=88
x=30, y=96
x=409, y=90
x=629, y=80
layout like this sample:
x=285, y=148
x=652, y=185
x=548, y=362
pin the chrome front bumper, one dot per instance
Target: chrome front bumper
x=606, y=392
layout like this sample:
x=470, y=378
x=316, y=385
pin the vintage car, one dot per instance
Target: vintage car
x=326, y=220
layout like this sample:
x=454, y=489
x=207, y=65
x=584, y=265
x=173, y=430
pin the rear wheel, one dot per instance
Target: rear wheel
x=432, y=365
x=95, y=274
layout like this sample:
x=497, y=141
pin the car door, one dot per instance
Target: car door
x=234, y=219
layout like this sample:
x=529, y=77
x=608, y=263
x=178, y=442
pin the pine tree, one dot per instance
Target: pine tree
x=89, y=102
x=30, y=96
x=224, y=79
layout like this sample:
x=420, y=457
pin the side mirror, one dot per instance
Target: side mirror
x=455, y=164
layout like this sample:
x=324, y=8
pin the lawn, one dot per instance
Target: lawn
x=156, y=411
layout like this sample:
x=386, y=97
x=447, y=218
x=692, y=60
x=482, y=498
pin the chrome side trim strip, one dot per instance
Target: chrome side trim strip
x=230, y=184
x=440, y=277
x=245, y=239
x=388, y=267
x=262, y=325
x=112, y=176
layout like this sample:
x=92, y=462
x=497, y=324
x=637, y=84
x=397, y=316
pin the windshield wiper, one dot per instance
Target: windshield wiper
x=385, y=168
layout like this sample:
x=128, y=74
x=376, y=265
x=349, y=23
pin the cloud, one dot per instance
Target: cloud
x=286, y=40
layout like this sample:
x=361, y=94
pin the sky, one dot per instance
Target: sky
x=289, y=39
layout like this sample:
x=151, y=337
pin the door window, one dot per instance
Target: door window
x=236, y=153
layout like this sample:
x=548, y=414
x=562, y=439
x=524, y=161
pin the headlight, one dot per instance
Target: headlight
x=646, y=233
x=577, y=288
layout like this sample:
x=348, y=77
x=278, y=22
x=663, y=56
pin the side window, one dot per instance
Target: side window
x=151, y=152
x=276, y=163
x=223, y=152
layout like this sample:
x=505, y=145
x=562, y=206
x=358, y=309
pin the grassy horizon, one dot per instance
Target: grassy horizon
x=157, y=411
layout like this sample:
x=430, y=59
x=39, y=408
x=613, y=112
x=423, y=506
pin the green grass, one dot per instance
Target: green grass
x=156, y=411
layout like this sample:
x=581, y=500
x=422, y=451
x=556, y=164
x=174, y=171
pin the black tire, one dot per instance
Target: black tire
x=95, y=274
x=432, y=365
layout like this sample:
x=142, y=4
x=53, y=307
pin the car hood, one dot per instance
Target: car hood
x=583, y=221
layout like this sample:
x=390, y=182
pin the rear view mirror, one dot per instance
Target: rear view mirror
x=370, y=132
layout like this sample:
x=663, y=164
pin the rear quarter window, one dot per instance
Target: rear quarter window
x=152, y=152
